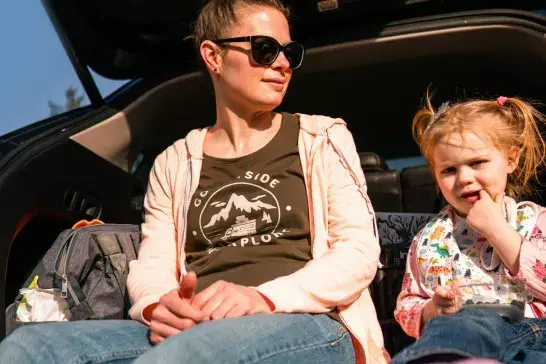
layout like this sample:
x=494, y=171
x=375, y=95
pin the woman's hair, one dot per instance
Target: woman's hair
x=507, y=122
x=218, y=15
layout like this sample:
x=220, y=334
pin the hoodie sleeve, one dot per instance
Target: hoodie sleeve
x=154, y=273
x=532, y=261
x=347, y=268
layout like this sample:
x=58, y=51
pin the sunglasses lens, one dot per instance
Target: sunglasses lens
x=264, y=50
x=294, y=54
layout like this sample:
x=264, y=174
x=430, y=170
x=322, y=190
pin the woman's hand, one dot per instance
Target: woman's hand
x=443, y=302
x=223, y=300
x=174, y=313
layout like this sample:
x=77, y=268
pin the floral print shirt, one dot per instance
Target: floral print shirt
x=436, y=264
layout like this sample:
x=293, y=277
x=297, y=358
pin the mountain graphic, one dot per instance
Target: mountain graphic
x=267, y=218
x=240, y=203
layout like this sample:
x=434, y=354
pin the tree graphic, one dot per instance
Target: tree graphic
x=399, y=229
x=73, y=101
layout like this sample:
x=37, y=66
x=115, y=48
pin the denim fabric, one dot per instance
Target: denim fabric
x=267, y=339
x=270, y=339
x=478, y=333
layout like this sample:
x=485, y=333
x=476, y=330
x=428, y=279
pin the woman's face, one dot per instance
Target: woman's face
x=240, y=81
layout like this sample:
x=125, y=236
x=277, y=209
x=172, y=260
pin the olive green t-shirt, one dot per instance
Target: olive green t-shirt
x=248, y=222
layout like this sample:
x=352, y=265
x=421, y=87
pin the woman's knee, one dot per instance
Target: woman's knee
x=68, y=341
x=19, y=345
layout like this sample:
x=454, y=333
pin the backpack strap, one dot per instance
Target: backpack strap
x=111, y=249
x=81, y=309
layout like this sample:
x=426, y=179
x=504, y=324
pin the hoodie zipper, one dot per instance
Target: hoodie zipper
x=188, y=194
x=312, y=209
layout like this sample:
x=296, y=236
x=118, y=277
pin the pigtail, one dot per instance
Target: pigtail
x=422, y=119
x=531, y=143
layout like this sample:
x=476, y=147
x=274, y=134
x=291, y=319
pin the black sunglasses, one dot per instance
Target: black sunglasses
x=265, y=50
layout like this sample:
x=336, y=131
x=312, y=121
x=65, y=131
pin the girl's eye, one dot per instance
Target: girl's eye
x=477, y=163
x=448, y=170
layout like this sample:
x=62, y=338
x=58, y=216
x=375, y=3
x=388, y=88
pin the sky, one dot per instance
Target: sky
x=34, y=67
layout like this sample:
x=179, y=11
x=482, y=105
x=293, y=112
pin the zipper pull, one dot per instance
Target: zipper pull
x=64, y=287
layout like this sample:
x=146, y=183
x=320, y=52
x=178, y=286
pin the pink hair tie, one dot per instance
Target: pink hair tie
x=501, y=100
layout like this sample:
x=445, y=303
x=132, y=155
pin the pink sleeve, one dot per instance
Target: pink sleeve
x=154, y=273
x=412, y=298
x=532, y=261
x=340, y=275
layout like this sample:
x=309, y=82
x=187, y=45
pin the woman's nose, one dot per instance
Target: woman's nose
x=281, y=62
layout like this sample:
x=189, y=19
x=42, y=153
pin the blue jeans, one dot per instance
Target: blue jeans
x=478, y=334
x=271, y=339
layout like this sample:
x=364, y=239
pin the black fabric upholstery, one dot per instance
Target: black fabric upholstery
x=371, y=162
x=384, y=190
x=383, y=185
x=419, y=191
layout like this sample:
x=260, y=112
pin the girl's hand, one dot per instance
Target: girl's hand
x=486, y=215
x=443, y=302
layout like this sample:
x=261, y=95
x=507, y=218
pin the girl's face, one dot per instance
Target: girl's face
x=241, y=82
x=464, y=164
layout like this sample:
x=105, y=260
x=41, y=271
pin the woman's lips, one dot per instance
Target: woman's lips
x=275, y=84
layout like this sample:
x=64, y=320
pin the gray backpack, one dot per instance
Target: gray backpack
x=89, y=266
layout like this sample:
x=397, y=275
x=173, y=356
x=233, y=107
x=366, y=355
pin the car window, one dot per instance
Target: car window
x=37, y=78
x=105, y=85
x=401, y=163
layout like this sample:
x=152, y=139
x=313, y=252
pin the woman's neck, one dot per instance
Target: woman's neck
x=239, y=132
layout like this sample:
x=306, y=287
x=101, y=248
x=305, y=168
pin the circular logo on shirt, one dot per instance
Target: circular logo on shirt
x=238, y=210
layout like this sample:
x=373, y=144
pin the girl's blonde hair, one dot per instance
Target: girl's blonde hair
x=510, y=122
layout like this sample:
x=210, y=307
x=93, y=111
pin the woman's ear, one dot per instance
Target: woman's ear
x=210, y=53
x=512, y=157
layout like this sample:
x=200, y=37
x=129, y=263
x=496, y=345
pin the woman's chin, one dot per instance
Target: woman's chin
x=267, y=103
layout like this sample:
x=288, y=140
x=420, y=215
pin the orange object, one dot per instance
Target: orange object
x=84, y=223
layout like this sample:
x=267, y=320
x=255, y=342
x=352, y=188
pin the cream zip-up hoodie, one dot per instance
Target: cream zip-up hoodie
x=345, y=246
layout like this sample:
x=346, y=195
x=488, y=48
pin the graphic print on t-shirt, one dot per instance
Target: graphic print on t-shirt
x=235, y=213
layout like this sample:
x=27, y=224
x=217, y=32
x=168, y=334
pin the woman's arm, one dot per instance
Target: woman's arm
x=154, y=273
x=340, y=275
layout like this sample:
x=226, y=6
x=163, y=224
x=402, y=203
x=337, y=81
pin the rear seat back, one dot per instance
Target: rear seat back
x=396, y=231
x=419, y=191
x=383, y=185
x=372, y=162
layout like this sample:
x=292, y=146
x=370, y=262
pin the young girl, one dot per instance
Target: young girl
x=483, y=155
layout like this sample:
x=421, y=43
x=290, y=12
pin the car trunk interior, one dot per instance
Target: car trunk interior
x=375, y=84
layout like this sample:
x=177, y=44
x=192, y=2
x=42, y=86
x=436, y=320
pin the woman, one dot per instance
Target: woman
x=259, y=241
